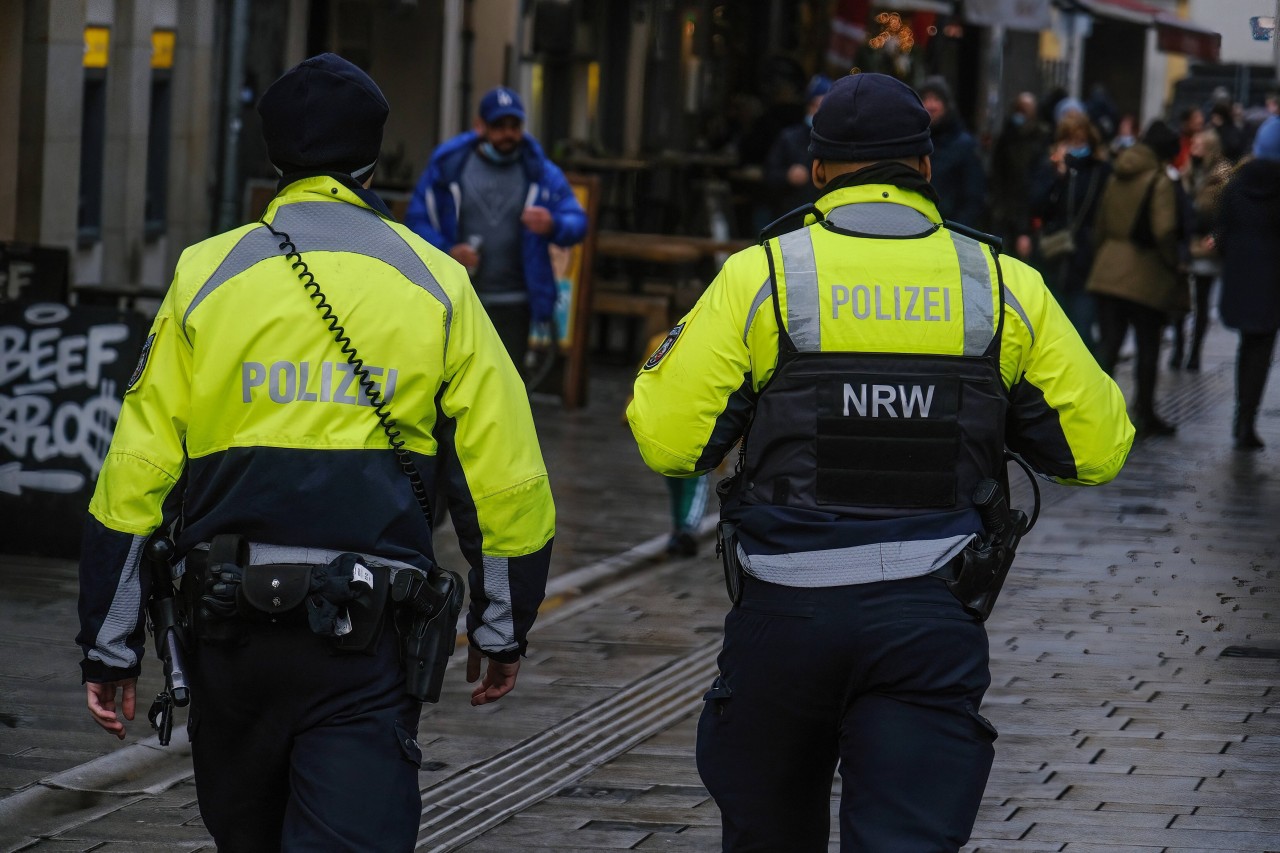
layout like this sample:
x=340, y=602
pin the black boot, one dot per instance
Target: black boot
x=1245, y=434
x=1175, y=355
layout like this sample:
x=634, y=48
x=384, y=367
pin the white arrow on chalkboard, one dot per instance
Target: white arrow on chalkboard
x=13, y=479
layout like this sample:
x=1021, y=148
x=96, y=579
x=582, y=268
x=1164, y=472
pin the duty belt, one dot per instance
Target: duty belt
x=342, y=600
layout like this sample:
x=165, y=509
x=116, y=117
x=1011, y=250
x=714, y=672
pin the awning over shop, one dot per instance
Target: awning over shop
x=1173, y=35
x=1028, y=15
x=936, y=6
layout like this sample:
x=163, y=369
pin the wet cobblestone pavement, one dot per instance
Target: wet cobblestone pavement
x=1135, y=662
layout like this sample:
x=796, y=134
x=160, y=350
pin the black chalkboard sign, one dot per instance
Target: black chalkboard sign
x=33, y=273
x=62, y=373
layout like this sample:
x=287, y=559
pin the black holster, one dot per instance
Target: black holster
x=727, y=548
x=427, y=608
x=977, y=575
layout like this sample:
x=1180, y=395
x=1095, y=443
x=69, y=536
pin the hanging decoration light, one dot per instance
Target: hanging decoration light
x=896, y=33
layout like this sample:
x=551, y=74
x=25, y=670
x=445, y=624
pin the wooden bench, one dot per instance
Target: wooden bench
x=652, y=309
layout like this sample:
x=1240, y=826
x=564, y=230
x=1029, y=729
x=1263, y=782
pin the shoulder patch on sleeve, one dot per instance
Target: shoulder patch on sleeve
x=664, y=347
x=142, y=361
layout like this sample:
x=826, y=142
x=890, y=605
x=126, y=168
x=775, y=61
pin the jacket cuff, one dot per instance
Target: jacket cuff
x=508, y=656
x=100, y=673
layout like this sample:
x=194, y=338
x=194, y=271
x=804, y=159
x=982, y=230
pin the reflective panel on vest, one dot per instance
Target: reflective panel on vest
x=910, y=302
x=321, y=226
x=888, y=441
x=979, y=307
x=882, y=219
x=804, y=325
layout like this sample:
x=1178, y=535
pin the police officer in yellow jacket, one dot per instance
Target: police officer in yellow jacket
x=876, y=363
x=246, y=422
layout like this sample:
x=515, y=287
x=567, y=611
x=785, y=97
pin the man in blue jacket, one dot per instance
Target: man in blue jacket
x=492, y=200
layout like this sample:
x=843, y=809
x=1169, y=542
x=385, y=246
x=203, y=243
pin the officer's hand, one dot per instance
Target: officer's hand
x=102, y=703
x=499, y=678
x=465, y=255
x=538, y=220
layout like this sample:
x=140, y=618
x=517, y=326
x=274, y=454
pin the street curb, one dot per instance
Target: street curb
x=152, y=767
x=114, y=780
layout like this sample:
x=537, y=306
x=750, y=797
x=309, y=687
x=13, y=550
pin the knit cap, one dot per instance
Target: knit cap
x=324, y=114
x=868, y=117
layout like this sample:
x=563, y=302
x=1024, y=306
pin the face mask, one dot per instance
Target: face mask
x=808, y=120
x=1018, y=119
x=1080, y=153
x=493, y=156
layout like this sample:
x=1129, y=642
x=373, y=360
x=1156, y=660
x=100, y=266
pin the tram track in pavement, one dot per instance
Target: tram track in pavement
x=461, y=808
x=468, y=804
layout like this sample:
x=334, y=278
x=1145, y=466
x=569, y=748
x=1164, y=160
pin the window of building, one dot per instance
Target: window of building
x=158, y=132
x=93, y=134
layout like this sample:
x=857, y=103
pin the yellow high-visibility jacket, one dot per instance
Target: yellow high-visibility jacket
x=881, y=276
x=244, y=416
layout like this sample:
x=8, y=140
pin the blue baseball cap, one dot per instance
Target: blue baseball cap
x=819, y=85
x=500, y=103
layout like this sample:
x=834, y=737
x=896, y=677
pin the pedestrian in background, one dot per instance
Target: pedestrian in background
x=848, y=512
x=1018, y=152
x=958, y=176
x=1065, y=198
x=242, y=427
x=1248, y=222
x=1222, y=120
x=1136, y=277
x=1190, y=122
x=786, y=170
x=1206, y=175
x=493, y=200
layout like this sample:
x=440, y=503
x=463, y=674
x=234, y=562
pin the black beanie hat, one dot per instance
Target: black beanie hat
x=1162, y=139
x=870, y=117
x=325, y=115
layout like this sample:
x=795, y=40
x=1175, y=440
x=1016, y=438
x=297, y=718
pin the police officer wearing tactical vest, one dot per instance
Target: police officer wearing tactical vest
x=876, y=363
x=258, y=432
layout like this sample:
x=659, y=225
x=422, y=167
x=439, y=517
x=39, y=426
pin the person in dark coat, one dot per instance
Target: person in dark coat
x=958, y=175
x=1018, y=153
x=1248, y=222
x=1064, y=196
x=786, y=169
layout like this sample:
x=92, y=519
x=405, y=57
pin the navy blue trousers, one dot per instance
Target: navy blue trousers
x=884, y=678
x=297, y=749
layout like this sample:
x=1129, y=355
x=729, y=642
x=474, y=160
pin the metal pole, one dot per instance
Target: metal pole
x=237, y=39
x=451, y=106
x=995, y=82
x=1275, y=41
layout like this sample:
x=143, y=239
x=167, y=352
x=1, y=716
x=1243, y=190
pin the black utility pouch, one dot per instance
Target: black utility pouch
x=366, y=612
x=273, y=589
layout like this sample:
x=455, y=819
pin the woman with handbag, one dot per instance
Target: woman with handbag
x=1136, y=275
x=1065, y=196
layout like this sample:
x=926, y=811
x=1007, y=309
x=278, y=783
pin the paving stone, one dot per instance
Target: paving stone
x=1106, y=657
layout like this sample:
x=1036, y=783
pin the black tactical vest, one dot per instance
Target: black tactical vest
x=874, y=435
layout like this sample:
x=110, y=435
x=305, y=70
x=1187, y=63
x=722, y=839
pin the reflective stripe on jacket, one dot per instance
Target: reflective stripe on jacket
x=890, y=280
x=245, y=417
